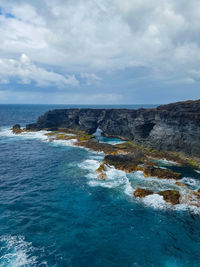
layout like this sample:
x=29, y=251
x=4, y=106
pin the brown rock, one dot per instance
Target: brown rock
x=101, y=171
x=125, y=162
x=93, y=144
x=180, y=184
x=160, y=173
x=140, y=192
x=16, y=129
x=171, y=196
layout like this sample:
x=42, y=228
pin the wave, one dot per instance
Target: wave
x=156, y=201
x=114, y=178
x=15, y=251
x=191, y=182
x=39, y=135
x=117, y=179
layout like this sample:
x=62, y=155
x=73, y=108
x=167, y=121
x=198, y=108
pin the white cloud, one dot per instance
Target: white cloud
x=26, y=72
x=85, y=36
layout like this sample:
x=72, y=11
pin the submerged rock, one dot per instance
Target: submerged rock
x=140, y=192
x=16, y=129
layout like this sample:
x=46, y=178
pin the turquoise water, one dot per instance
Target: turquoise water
x=54, y=211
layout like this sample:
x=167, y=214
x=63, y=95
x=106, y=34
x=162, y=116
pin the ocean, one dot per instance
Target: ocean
x=54, y=211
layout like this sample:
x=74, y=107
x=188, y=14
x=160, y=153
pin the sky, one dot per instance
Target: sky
x=99, y=51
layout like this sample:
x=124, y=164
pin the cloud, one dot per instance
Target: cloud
x=25, y=72
x=86, y=35
x=90, y=78
x=97, y=40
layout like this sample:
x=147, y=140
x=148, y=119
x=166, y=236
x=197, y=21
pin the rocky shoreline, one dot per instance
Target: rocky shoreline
x=169, y=128
x=129, y=158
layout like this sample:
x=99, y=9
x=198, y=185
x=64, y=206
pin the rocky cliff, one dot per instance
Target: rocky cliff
x=173, y=127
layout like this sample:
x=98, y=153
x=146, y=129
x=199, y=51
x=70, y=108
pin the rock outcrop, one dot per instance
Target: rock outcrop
x=151, y=171
x=16, y=129
x=173, y=127
x=141, y=193
x=170, y=196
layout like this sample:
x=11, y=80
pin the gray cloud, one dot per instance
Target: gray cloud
x=85, y=37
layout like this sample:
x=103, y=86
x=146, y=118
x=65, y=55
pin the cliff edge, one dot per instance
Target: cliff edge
x=172, y=127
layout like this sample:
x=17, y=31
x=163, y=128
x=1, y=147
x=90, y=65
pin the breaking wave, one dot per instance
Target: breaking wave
x=39, y=135
x=16, y=252
x=114, y=178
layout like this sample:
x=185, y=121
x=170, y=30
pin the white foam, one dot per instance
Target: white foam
x=40, y=135
x=197, y=171
x=114, y=178
x=155, y=201
x=112, y=142
x=140, y=176
x=190, y=181
x=70, y=142
x=186, y=207
x=7, y=132
x=18, y=252
x=166, y=162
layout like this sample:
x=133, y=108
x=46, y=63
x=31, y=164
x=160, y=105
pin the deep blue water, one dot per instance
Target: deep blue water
x=55, y=212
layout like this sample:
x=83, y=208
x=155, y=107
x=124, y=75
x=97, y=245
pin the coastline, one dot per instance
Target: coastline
x=116, y=158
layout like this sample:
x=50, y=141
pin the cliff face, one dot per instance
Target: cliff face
x=173, y=127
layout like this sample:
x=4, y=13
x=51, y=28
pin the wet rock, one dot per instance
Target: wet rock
x=126, y=162
x=151, y=171
x=93, y=144
x=174, y=127
x=16, y=129
x=171, y=196
x=101, y=171
x=180, y=184
x=140, y=192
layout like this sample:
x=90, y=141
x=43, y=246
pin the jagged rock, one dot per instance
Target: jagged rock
x=101, y=171
x=151, y=171
x=126, y=162
x=171, y=196
x=173, y=127
x=140, y=192
x=17, y=129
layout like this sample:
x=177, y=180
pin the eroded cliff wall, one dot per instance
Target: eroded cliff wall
x=173, y=127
